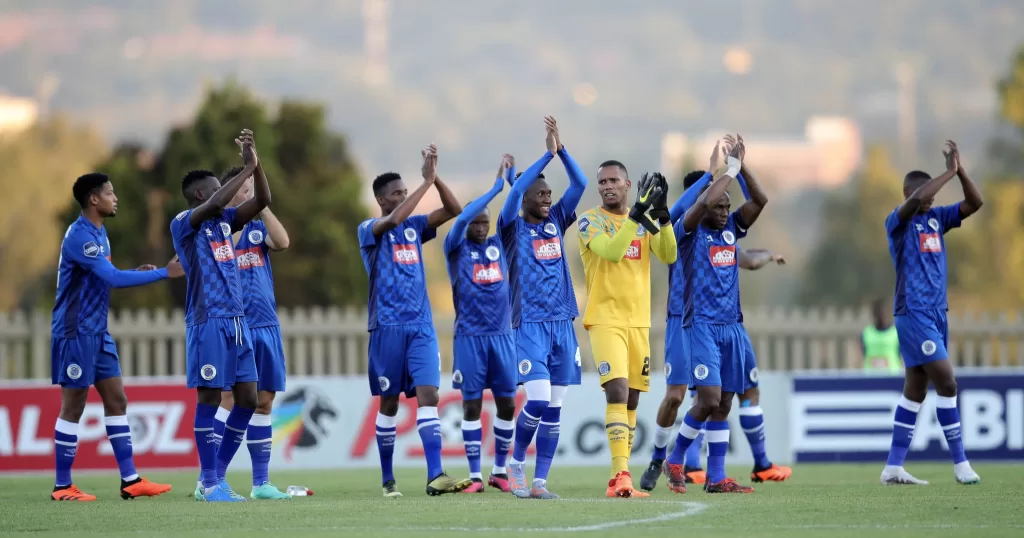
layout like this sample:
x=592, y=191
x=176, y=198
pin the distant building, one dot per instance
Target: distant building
x=828, y=154
x=17, y=114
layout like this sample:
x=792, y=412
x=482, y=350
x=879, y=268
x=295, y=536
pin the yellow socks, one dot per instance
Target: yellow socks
x=616, y=424
x=631, y=420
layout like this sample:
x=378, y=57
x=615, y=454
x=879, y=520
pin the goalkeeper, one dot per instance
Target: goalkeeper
x=616, y=245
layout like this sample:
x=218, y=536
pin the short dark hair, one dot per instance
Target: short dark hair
x=230, y=173
x=193, y=177
x=613, y=162
x=382, y=181
x=539, y=176
x=86, y=185
x=916, y=175
x=692, y=177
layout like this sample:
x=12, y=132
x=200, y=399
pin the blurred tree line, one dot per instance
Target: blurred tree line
x=851, y=264
x=309, y=167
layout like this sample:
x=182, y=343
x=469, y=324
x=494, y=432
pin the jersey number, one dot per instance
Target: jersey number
x=646, y=371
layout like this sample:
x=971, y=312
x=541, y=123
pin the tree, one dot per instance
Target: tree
x=37, y=169
x=851, y=263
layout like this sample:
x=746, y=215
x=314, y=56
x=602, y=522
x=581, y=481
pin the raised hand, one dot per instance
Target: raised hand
x=737, y=148
x=429, y=168
x=952, y=155
x=554, y=143
x=247, y=148
x=506, y=164
x=511, y=160
x=716, y=157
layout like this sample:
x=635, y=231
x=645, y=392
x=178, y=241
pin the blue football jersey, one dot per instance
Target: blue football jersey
x=479, y=287
x=677, y=276
x=540, y=284
x=83, y=298
x=918, y=251
x=711, y=273
x=214, y=286
x=394, y=263
x=253, y=257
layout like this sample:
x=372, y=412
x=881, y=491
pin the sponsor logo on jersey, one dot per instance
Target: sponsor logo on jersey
x=633, y=252
x=547, y=249
x=255, y=237
x=410, y=234
x=91, y=249
x=583, y=224
x=492, y=253
x=723, y=256
x=473, y=255
x=223, y=251
x=249, y=258
x=487, y=274
x=550, y=228
x=406, y=254
x=930, y=242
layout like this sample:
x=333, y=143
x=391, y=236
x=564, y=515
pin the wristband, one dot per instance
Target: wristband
x=734, y=165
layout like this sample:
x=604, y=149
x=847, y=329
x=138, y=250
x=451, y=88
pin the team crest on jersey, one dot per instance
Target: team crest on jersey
x=492, y=253
x=74, y=371
x=700, y=372
x=933, y=224
x=208, y=372
x=604, y=368
x=641, y=231
x=410, y=234
x=255, y=237
x=457, y=377
x=225, y=229
x=384, y=383
x=91, y=249
x=550, y=228
x=525, y=366
x=583, y=224
x=728, y=237
x=753, y=375
x=928, y=347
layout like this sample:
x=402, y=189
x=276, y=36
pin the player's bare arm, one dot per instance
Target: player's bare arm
x=756, y=258
x=577, y=179
x=450, y=206
x=220, y=199
x=913, y=203
x=248, y=209
x=391, y=221
x=751, y=209
x=719, y=186
x=972, y=201
x=277, y=235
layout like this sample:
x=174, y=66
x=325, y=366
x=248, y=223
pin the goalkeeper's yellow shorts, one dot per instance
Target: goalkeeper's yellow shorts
x=622, y=353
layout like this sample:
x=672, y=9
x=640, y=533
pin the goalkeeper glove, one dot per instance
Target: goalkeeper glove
x=648, y=191
x=659, y=209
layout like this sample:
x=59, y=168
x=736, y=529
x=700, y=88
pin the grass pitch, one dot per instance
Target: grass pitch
x=820, y=500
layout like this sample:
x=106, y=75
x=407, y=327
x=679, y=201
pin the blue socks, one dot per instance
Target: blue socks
x=429, y=427
x=752, y=422
x=65, y=444
x=259, y=439
x=386, y=427
x=526, y=426
x=234, y=435
x=504, y=431
x=692, y=458
x=120, y=436
x=547, y=441
x=718, y=445
x=206, y=443
x=218, y=423
x=472, y=436
x=661, y=438
x=903, y=430
x=949, y=419
x=688, y=432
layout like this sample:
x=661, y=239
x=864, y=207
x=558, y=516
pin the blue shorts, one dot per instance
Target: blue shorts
x=717, y=356
x=403, y=357
x=218, y=354
x=78, y=363
x=677, y=352
x=269, y=352
x=548, y=350
x=750, y=373
x=485, y=362
x=924, y=335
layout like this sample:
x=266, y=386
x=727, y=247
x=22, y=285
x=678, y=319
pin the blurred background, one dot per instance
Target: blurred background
x=836, y=104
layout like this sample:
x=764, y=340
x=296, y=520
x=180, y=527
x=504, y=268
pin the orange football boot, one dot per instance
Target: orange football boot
x=70, y=493
x=775, y=473
x=695, y=475
x=622, y=486
x=143, y=488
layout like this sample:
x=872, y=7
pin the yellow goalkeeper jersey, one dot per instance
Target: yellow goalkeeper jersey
x=616, y=256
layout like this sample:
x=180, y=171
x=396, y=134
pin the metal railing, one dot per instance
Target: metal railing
x=333, y=341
